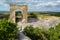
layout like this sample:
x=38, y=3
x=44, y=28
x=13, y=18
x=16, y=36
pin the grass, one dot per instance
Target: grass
x=42, y=15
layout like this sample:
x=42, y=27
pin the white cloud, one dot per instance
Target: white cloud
x=3, y=6
x=35, y=4
x=58, y=1
x=42, y=6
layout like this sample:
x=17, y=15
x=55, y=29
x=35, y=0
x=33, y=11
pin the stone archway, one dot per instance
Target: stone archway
x=13, y=7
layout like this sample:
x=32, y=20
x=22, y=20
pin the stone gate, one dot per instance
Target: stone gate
x=13, y=7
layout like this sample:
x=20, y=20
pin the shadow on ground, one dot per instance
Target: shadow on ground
x=31, y=20
x=18, y=20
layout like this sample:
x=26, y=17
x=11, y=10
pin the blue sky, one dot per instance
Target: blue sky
x=33, y=5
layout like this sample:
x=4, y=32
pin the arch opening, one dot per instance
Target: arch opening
x=18, y=15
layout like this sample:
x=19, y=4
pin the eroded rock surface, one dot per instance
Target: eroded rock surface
x=41, y=22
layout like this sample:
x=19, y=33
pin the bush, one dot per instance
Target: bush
x=8, y=31
x=54, y=33
x=41, y=34
x=18, y=13
x=32, y=15
x=35, y=33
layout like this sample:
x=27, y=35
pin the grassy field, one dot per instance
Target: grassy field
x=45, y=15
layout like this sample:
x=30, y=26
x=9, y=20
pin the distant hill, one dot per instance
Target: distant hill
x=4, y=12
x=46, y=12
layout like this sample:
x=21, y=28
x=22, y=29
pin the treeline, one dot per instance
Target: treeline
x=49, y=13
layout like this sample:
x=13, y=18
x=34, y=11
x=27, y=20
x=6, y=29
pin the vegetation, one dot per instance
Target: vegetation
x=56, y=14
x=42, y=34
x=54, y=33
x=35, y=33
x=18, y=13
x=32, y=15
x=8, y=31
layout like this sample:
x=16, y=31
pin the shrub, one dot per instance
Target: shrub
x=41, y=34
x=8, y=31
x=32, y=15
x=35, y=33
x=18, y=13
x=54, y=33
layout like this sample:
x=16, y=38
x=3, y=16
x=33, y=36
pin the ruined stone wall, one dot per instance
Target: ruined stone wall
x=13, y=7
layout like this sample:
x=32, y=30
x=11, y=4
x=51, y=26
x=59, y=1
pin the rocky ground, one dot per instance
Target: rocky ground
x=38, y=22
x=41, y=22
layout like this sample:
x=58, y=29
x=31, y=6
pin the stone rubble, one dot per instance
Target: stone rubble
x=45, y=23
x=41, y=22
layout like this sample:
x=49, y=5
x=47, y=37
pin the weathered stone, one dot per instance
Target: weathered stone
x=13, y=7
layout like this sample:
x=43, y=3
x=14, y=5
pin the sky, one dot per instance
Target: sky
x=33, y=5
